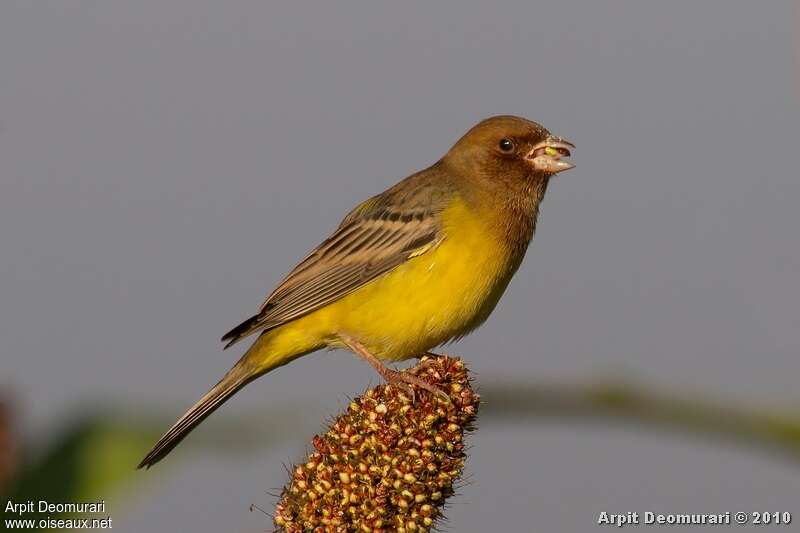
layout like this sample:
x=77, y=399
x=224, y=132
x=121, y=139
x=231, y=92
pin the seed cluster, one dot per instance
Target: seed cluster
x=389, y=462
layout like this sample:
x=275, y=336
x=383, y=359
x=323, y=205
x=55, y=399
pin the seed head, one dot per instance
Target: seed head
x=387, y=463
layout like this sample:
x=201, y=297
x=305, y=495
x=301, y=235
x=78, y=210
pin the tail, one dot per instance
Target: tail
x=236, y=378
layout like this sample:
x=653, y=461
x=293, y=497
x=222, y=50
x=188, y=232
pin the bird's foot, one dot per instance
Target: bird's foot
x=401, y=379
x=427, y=360
x=405, y=380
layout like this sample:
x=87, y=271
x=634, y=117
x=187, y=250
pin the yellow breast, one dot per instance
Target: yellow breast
x=439, y=295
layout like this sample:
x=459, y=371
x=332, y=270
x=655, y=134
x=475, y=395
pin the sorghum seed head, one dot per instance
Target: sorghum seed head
x=386, y=462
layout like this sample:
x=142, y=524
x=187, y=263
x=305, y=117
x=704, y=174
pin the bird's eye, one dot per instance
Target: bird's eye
x=506, y=145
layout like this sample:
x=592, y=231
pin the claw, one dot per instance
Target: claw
x=426, y=364
x=406, y=388
x=407, y=379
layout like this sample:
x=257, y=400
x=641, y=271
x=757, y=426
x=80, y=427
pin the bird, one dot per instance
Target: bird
x=419, y=265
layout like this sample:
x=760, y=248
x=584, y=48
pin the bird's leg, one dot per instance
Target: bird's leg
x=398, y=378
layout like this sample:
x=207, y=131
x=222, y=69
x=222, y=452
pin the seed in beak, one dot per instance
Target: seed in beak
x=556, y=151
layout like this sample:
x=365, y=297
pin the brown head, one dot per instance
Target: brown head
x=504, y=163
x=509, y=149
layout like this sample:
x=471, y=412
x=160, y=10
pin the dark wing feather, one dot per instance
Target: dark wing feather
x=374, y=238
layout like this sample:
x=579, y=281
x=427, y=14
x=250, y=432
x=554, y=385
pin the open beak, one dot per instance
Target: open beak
x=546, y=156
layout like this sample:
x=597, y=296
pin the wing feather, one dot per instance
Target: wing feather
x=374, y=238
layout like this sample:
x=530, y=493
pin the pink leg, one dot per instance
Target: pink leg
x=393, y=377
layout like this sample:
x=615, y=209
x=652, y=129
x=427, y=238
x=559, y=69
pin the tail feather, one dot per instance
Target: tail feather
x=248, y=327
x=228, y=386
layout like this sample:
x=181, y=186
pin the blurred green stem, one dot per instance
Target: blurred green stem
x=628, y=403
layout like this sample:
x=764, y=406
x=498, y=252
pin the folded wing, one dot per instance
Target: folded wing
x=374, y=238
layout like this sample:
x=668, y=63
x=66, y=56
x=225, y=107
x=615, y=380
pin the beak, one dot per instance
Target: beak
x=546, y=156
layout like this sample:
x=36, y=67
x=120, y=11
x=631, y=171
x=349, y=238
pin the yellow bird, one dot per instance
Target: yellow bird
x=422, y=263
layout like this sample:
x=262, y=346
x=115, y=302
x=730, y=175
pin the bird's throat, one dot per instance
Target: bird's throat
x=512, y=216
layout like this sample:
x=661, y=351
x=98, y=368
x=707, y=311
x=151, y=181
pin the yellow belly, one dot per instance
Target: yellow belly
x=439, y=295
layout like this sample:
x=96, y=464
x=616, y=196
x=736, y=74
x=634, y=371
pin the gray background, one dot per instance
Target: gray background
x=163, y=164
